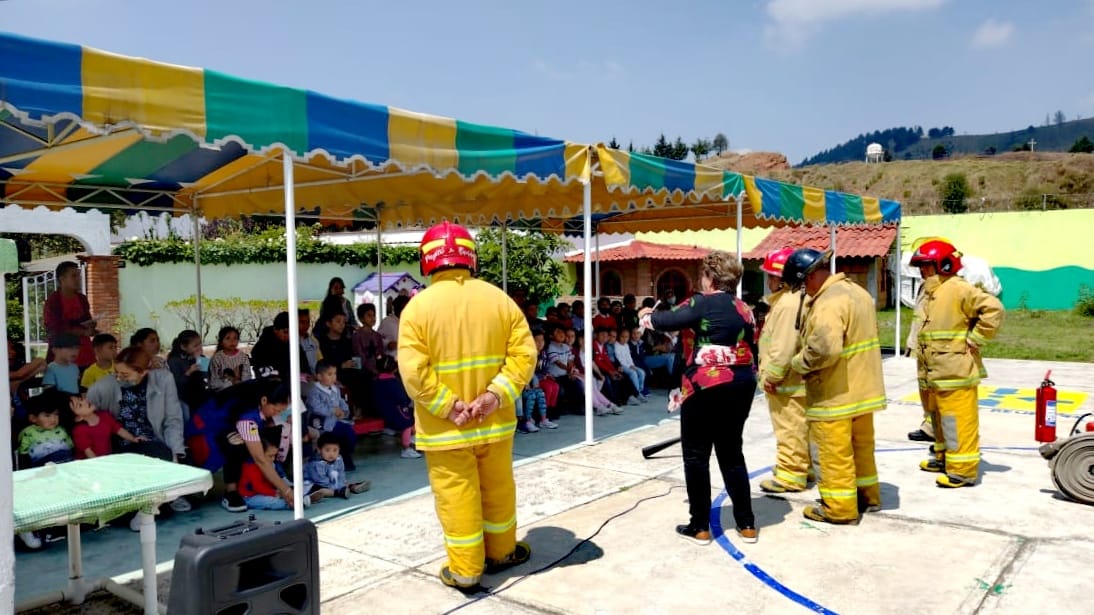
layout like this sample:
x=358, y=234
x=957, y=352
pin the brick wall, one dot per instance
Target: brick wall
x=102, y=289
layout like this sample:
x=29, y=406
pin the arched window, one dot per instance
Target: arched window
x=611, y=283
x=674, y=280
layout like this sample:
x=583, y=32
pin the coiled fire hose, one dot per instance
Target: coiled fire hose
x=1071, y=462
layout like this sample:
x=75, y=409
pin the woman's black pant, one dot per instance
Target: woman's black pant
x=715, y=417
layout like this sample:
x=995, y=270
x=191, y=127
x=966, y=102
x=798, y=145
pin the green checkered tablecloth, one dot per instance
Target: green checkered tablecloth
x=100, y=489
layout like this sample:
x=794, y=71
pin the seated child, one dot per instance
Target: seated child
x=398, y=411
x=106, y=348
x=327, y=473
x=63, y=373
x=94, y=428
x=44, y=440
x=259, y=493
x=627, y=366
x=229, y=364
x=329, y=412
x=533, y=399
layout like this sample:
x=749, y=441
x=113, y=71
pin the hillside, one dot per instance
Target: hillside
x=903, y=144
x=1013, y=180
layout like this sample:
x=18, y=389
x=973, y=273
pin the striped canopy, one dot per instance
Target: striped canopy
x=86, y=127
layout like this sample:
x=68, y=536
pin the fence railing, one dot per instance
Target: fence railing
x=36, y=289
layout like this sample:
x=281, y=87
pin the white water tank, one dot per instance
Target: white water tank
x=874, y=152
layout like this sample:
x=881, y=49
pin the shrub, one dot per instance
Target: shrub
x=1085, y=304
x=953, y=192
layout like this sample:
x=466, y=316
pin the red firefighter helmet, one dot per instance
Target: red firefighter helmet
x=941, y=254
x=445, y=246
x=774, y=261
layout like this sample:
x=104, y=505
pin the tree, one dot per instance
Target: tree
x=613, y=143
x=630, y=147
x=662, y=147
x=939, y=152
x=953, y=192
x=1059, y=118
x=679, y=149
x=720, y=143
x=531, y=262
x=1082, y=145
x=700, y=148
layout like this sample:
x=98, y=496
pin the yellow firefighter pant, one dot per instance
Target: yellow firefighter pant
x=928, y=417
x=791, y=440
x=843, y=454
x=475, y=498
x=956, y=417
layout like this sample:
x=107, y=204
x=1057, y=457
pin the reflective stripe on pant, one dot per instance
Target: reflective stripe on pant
x=475, y=498
x=843, y=454
x=956, y=415
x=791, y=440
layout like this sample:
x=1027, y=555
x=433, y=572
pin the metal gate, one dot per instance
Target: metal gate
x=36, y=290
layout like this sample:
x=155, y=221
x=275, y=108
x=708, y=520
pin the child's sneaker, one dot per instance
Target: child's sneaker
x=30, y=540
x=601, y=411
x=522, y=427
x=410, y=453
x=530, y=425
x=548, y=423
x=233, y=502
x=644, y=398
x=181, y=504
x=360, y=487
x=633, y=401
x=614, y=409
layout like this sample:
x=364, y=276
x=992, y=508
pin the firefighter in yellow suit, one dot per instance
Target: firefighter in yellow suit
x=840, y=360
x=779, y=342
x=959, y=318
x=465, y=354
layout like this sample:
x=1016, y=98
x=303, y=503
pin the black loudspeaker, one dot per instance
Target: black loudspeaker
x=247, y=568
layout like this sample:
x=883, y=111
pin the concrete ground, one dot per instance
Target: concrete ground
x=1009, y=545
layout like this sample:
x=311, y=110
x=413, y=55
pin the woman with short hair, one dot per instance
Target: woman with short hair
x=716, y=389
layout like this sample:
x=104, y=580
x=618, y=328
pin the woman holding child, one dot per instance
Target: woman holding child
x=716, y=388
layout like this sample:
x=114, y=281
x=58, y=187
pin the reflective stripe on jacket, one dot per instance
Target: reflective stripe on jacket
x=841, y=355
x=780, y=341
x=458, y=338
x=954, y=314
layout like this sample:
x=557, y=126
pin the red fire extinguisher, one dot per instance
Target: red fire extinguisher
x=1046, y=410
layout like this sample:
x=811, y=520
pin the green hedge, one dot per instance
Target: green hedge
x=264, y=247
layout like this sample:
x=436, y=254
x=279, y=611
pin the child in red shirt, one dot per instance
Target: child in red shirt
x=91, y=434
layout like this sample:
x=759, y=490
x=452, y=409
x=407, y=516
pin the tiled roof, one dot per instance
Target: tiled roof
x=644, y=249
x=851, y=241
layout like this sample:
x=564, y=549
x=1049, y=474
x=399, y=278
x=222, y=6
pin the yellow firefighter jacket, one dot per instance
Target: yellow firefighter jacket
x=917, y=321
x=841, y=355
x=954, y=314
x=457, y=339
x=779, y=341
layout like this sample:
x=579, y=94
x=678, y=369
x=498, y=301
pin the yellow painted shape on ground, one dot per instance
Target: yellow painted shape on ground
x=1008, y=399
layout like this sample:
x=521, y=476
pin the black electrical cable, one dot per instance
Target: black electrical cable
x=1075, y=427
x=512, y=582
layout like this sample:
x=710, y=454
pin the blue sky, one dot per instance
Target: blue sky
x=794, y=76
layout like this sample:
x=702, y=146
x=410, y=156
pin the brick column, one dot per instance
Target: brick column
x=102, y=289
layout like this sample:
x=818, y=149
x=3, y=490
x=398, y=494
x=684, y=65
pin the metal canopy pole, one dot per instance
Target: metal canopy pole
x=590, y=382
x=7, y=523
x=197, y=268
x=832, y=246
x=596, y=238
x=381, y=298
x=504, y=257
x=899, y=265
x=740, y=243
x=294, y=338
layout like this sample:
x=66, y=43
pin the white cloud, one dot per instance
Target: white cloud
x=992, y=33
x=793, y=21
